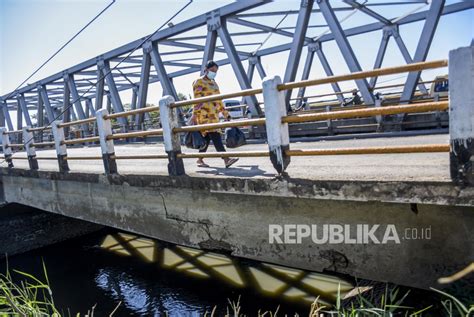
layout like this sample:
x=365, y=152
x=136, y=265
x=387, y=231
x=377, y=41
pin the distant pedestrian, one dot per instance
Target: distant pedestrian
x=208, y=112
x=355, y=100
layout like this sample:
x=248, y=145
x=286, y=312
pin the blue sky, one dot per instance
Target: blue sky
x=31, y=30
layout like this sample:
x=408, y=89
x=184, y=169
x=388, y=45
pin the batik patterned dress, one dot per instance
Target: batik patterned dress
x=207, y=112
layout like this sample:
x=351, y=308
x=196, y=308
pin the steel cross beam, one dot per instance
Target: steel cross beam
x=367, y=11
x=345, y=48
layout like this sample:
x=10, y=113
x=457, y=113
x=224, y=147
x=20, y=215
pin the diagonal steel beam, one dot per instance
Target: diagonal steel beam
x=406, y=55
x=143, y=87
x=380, y=55
x=236, y=64
x=24, y=109
x=260, y=69
x=423, y=46
x=297, y=45
x=165, y=81
x=306, y=70
x=69, y=78
x=47, y=104
x=345, y=48
x=114, y=94
x=6, y=114
x=327, y=69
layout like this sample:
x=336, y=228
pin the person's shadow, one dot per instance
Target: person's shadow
x=237, y=171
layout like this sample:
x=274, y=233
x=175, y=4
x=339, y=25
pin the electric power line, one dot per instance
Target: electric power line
x=110, y=71
x=62, y=47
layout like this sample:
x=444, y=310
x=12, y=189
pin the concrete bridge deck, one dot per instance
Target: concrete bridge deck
x=230, y=210
x=381, y=167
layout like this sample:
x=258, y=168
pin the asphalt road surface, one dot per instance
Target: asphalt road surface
x=383, y=167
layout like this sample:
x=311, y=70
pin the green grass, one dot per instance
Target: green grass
x=34, y=297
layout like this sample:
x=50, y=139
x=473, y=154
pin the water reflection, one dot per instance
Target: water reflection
x=279, y=282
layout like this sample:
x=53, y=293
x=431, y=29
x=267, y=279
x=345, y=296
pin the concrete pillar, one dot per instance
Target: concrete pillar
x=277, y=132
x=169, y=120
x=461, y=114
x=7, y=150
x=29, y=148
x=61, y=151
x=104, y=127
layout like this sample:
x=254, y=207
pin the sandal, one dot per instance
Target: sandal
x=230, y=162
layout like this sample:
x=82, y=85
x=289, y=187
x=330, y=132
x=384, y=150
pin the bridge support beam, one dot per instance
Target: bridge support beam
x=7, y=150
x=169, y=118
x=302, y=23
x=29, y=148
x=61, y=151
x=345, y=48
x=104, y=128
x=6, y=114
x=278, y=135
x=143, y=86
x=461, y=114
x=327, y=69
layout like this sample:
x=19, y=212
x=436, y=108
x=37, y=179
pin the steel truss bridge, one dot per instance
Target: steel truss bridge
x=77, y=92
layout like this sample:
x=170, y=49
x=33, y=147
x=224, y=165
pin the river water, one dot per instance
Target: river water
x=152, y=278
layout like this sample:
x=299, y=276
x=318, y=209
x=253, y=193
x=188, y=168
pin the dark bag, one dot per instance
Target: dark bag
x=194, y=140
x=234, y=137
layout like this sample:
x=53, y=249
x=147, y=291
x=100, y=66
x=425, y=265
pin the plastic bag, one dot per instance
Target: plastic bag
x=194, y=140
x=234, y=137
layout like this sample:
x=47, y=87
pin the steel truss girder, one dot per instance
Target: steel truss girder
x=297, y=46
x=143, y=86
x=238, y=68
x=6, y=115
x=423, y=46
x=231, y=11
x=24, y=109
x=345, y=48
x=114, y=94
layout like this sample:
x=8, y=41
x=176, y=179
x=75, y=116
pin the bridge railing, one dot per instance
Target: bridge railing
x=276, y=122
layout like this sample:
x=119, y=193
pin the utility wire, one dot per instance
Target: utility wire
x=62, y=47
x=120, y=62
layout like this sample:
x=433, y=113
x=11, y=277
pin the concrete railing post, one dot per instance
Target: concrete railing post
x=461, y=114
x=329, y=122
x=169, y=120
x=104, y=127
x=61, y=151
x=277, y=132
x=7, y=150
x=29, y=148
x=379, y=118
